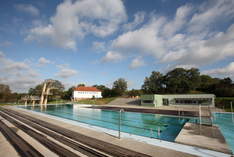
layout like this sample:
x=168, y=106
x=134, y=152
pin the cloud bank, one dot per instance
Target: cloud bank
x=74, y=20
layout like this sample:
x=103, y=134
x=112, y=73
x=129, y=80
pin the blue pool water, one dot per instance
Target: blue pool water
x=225, y=122
x=131, y=122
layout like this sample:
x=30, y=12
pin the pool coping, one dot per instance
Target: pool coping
x=152, y=141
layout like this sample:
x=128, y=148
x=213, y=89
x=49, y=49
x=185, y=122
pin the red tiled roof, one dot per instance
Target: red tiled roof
x=83, y=88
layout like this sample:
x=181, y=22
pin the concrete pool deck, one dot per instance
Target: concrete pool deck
x=208, y=137
x=6, y=149
x=152, y=147
x=128, y=143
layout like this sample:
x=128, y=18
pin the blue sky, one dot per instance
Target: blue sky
x=99, y=41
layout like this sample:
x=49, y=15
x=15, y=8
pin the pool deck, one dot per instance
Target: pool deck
x=162, y=148
x=208, y=137
x=128, y=143
x=6, y=149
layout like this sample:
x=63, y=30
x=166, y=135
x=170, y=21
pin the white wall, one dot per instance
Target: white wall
x=86, y=94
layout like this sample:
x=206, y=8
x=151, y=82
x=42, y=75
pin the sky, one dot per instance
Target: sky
x=99, y=41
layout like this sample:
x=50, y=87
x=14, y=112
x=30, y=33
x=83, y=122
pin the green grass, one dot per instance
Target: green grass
x=100, y=101
x=61, y=101
x=2, y=104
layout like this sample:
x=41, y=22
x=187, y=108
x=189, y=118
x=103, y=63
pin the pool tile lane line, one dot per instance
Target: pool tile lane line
x=160, y=143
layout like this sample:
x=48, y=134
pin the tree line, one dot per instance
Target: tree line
x=6, y=95
x=176, y=81
x=187, y=81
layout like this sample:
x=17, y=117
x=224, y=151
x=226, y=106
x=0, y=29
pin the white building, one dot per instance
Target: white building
x=83, y=92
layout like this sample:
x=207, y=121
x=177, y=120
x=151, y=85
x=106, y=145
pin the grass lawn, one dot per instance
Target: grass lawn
x=2, y=104
x=100, y=101
x=61, y=101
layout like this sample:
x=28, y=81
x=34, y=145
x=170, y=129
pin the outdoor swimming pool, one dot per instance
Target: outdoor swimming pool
x=225, y=122
x=148, y=125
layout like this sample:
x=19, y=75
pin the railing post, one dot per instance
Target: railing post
x=159, y=133
x=179, y=112
x=232, y=113
x=200, y=120
x=151, y=132
x=120, y=115
x=200, y=115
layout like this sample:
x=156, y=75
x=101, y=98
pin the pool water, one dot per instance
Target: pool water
x=143, y=124
x=225, y=122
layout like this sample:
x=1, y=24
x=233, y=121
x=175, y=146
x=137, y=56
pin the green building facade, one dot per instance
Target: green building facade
x=177, y=99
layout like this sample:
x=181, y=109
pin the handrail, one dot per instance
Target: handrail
x=120, y=115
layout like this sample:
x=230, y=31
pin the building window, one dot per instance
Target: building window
x=165, y=102
x=192, y=101
x=148, y=101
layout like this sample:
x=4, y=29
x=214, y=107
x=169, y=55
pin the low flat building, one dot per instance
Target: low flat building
x=178, y=99
x=83, y=92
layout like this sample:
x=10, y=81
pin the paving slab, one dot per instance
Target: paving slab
x=6, y=149
x=208, y=137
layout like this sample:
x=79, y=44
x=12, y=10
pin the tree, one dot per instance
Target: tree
x=154, y=83
x=57, y=89
x=4, y=88
x=5, y=93
x=207, y=84
x=194, y=78
x=100, y=87
x=36, y=90
x=68, y=94
x=81, y=85
x=134, y=92
x=107, y=92
x=180, y=80
x=120, y=86
x=224, y=88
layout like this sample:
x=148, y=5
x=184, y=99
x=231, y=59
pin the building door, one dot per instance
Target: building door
x=165, y=102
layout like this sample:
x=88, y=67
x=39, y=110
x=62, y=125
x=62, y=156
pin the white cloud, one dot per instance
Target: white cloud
x=99, y=46
x=76, y=19
x=143, y=40
x=138, y=19
x=1, y=55
x=179, y=20
x=112, y=56
x=42, y=61
x=172, y=41
x=28, y=8
x=227, y=71
x=5, y=44
x=211, y=13
x=137, y=62
x=186, y=66
x=18, y=75
x=66, y=72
